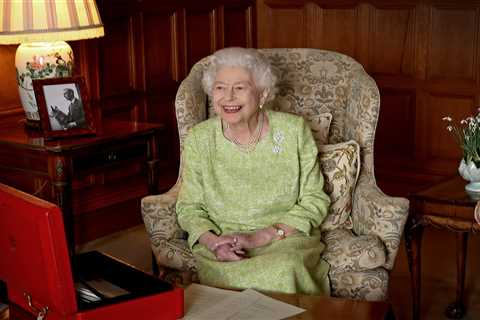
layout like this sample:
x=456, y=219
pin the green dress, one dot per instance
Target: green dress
x=226, y=190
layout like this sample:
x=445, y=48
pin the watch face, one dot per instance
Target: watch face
x=280, y=232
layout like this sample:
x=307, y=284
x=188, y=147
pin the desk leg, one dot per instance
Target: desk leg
x=62, y=193
x=413, y=243
x=456, y=310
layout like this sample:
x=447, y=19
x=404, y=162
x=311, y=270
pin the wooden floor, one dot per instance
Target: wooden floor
x=438, y=278
x=439, y=273
x=438, y=270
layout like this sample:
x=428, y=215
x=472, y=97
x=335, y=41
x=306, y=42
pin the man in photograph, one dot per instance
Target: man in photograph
x=75, y=116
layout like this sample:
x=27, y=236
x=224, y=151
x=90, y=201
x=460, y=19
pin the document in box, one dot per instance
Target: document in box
x=203, y=302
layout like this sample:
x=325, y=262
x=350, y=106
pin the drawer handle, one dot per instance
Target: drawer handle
x=111, y=156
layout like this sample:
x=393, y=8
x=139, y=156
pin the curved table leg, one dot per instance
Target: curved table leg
x=456, y=310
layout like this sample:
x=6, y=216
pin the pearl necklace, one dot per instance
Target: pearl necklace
x=252, y=142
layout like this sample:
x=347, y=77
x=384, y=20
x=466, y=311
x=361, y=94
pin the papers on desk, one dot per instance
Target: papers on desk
x=206, y=303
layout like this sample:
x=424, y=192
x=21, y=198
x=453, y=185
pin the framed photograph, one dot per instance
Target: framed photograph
x=63, y=108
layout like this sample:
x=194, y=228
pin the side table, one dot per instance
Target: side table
x=96, y=180
x=447, y=206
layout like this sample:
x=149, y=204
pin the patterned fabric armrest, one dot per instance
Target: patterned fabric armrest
x=160, y=218
x=379, y=214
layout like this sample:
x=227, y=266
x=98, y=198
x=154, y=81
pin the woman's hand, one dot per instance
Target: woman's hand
x=227, y=253
x=255, y=239
x=224, y=247
x=213, y=242
x=262, y=237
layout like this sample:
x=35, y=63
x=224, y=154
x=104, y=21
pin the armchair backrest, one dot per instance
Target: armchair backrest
x=311, y=81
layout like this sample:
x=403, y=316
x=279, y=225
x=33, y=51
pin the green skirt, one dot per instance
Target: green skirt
x=291, y=265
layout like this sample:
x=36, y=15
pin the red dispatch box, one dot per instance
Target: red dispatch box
x=36, y=268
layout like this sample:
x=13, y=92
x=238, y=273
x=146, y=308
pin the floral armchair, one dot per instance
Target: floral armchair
x=361, y=248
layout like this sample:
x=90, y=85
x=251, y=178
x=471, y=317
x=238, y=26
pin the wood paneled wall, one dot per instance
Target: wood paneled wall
x=424, y=56
x=149, y=47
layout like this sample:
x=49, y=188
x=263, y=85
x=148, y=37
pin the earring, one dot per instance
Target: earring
x=261, y=106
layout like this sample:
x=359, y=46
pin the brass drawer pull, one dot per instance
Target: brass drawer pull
x=111, y=156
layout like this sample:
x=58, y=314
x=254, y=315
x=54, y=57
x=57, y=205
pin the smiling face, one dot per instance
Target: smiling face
x=235, y=96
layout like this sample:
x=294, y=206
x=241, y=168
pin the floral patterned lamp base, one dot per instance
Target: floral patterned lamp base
x=40, y=60
x=471, y=173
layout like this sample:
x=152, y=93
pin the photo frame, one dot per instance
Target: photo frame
x=63, y=107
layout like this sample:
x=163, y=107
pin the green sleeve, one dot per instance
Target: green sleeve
x=313, y=203
x=191, y=210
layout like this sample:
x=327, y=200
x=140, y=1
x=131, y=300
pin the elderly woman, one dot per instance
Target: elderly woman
x=252, y=192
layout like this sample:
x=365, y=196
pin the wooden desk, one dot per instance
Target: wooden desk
x=446, y=206
x=320, y=307
x=97, y=180
x=316, y=307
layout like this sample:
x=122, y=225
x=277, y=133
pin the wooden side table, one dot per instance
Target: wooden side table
x=96, y=180
x=446, y=206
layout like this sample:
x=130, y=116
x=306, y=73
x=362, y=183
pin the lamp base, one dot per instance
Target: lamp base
x=40, y=60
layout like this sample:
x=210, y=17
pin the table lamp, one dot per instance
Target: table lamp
x=41, y=27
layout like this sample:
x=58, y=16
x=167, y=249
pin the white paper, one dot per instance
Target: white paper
x=206, y=303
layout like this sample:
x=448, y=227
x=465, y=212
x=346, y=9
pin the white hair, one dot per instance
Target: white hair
x=250, y=59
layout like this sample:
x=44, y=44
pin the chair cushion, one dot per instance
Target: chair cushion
x=320, y=125
x=346, y=252
x=370, y=285
x=340, y=165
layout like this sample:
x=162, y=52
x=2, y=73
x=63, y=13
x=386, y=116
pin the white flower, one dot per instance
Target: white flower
x=467, y=134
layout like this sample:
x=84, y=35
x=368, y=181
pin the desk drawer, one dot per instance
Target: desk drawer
x=109, y=156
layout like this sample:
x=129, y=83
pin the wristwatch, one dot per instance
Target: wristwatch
x=280, y=233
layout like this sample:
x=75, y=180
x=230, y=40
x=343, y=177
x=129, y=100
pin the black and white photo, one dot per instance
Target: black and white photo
x=63, y=107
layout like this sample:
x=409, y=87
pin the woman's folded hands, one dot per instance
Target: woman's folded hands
x=224, y=247
x=232, y=247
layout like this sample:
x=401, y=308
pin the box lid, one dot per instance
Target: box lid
x=34, y=252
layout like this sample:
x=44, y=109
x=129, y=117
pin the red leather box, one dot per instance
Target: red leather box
x=35, y=265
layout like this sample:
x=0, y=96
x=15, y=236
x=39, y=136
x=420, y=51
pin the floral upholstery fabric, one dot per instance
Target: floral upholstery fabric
x=320, y=125
x=371, y=285
x=346, y=251
x=340, y=165
x=311, y=82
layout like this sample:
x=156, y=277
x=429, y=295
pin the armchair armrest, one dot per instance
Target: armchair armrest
x=159, y=216
x=168, y=240
x=376, y=213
